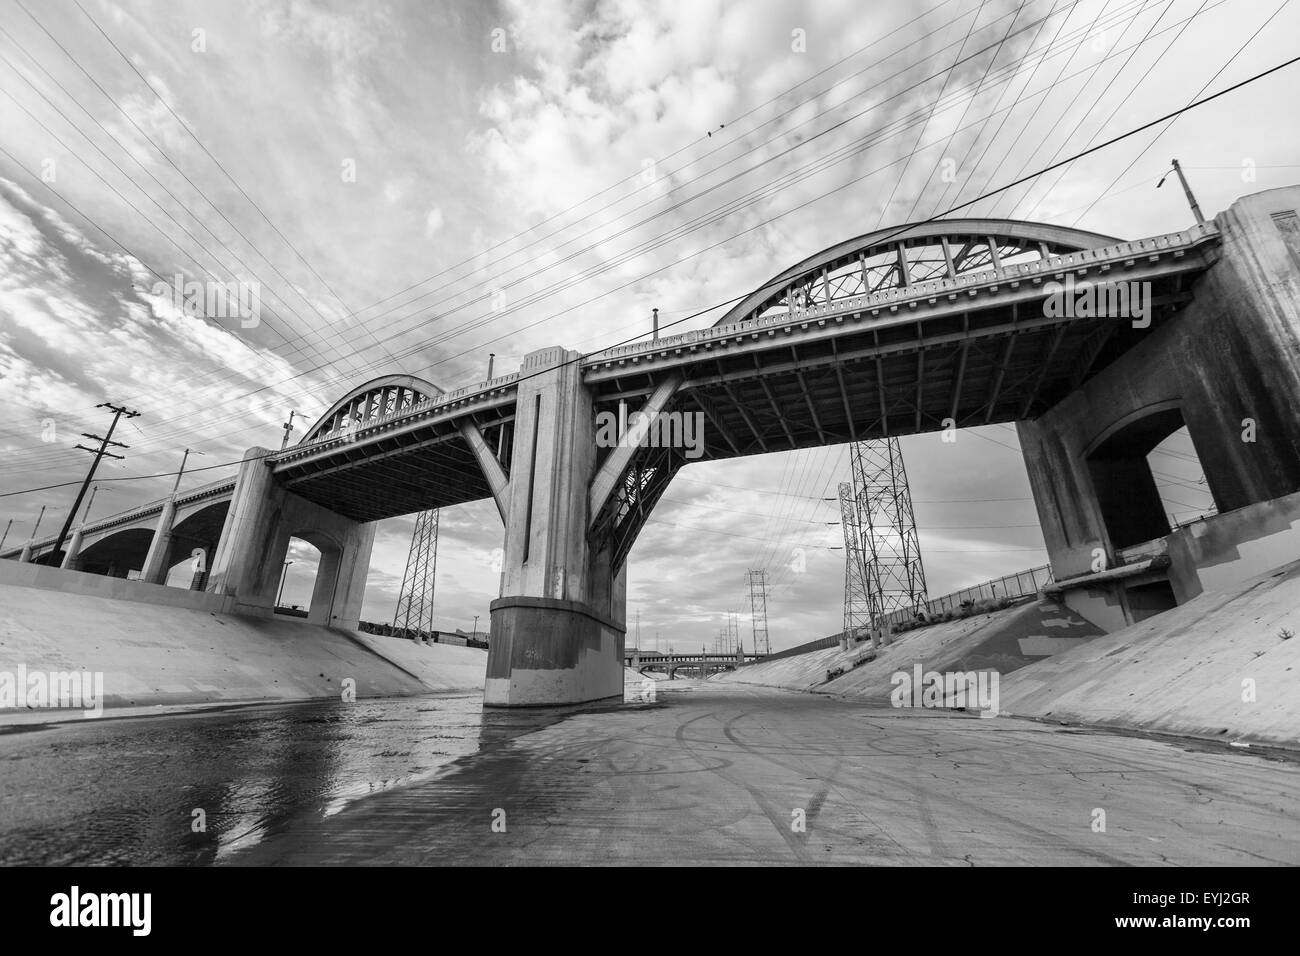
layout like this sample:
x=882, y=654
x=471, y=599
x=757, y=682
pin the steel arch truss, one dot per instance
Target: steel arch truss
x=375, y=401
x=639, y=489
x=897, y=258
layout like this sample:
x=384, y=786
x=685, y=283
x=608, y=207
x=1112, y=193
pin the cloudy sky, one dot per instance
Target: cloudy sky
x=414, y=185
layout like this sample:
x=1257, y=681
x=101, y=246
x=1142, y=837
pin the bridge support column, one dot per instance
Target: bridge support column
x=71, y=550
x=262, y=518
x=558, y=628
x=1224, y=368
x=155, y=563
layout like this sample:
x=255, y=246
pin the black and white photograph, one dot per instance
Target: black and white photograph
x=612, y=433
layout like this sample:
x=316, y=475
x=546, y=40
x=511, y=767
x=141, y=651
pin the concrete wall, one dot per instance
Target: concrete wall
x=179, y=648
x=1224, y=550
x=1003, y=641
x=88, y=584
x=1230, y=355
x=1217, y=667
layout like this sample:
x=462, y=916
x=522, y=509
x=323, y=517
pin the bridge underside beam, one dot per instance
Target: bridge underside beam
x=873, y=380
x=390, y=476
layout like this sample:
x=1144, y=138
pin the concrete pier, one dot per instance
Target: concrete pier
x=263, y=516
x=1228, y=368
x=558, y=627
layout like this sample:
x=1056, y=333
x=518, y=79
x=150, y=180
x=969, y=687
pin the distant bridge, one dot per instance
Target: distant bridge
x=670, y=664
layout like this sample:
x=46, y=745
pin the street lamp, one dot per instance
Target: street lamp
x=184, y=458
x=284, y=573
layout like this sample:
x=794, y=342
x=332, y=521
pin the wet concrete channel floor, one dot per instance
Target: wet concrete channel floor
x=708, y=773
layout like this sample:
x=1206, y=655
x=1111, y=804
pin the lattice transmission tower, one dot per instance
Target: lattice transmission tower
x=886, y=528
x=758, y=611
x=859, y=611
x=415, y=601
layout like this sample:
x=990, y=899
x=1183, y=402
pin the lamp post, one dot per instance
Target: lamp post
x=288, y=429
x=284, y=573
x=184, y=458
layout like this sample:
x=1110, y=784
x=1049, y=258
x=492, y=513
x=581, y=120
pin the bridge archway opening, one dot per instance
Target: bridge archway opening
x=1184, y=488
x=1139, y=498
x=116, y=555
x=193, y=547
x=307, y=588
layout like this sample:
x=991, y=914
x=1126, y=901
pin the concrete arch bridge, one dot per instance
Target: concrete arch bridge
x=902, y=331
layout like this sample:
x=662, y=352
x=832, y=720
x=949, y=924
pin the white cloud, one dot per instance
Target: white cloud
x=433, y=222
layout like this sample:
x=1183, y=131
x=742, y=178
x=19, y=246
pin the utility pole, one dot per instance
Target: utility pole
x=85, y=515
x=118, y=412
x=35, y=530
x=758, y=610
x=186, y=457
x=1187, y=190
x=284, y=442
x=284, y=573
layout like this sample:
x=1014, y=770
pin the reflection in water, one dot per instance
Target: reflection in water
x=126, y=791
x=196, y=789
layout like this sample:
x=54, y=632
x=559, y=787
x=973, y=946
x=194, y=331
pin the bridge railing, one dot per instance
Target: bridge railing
x=920, y=290
x=1022, y=584
x=125, y=517
x=424, y=405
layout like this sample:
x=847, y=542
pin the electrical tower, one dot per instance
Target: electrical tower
x=887, y=528
x=415, y=602
x=758, y=611
x=859, y=612
x=733, y=632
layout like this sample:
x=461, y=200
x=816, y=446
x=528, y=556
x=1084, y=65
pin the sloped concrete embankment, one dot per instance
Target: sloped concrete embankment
x=153, y=654
x=1219, y=666
x=1223, y=666
x=1003, y=640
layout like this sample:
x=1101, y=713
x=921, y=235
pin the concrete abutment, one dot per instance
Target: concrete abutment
x=1227, y=366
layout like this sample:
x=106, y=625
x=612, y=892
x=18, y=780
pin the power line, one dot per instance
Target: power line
x=234, y=182
x=1166, y=128
x=570, y=283
x=771, y=286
